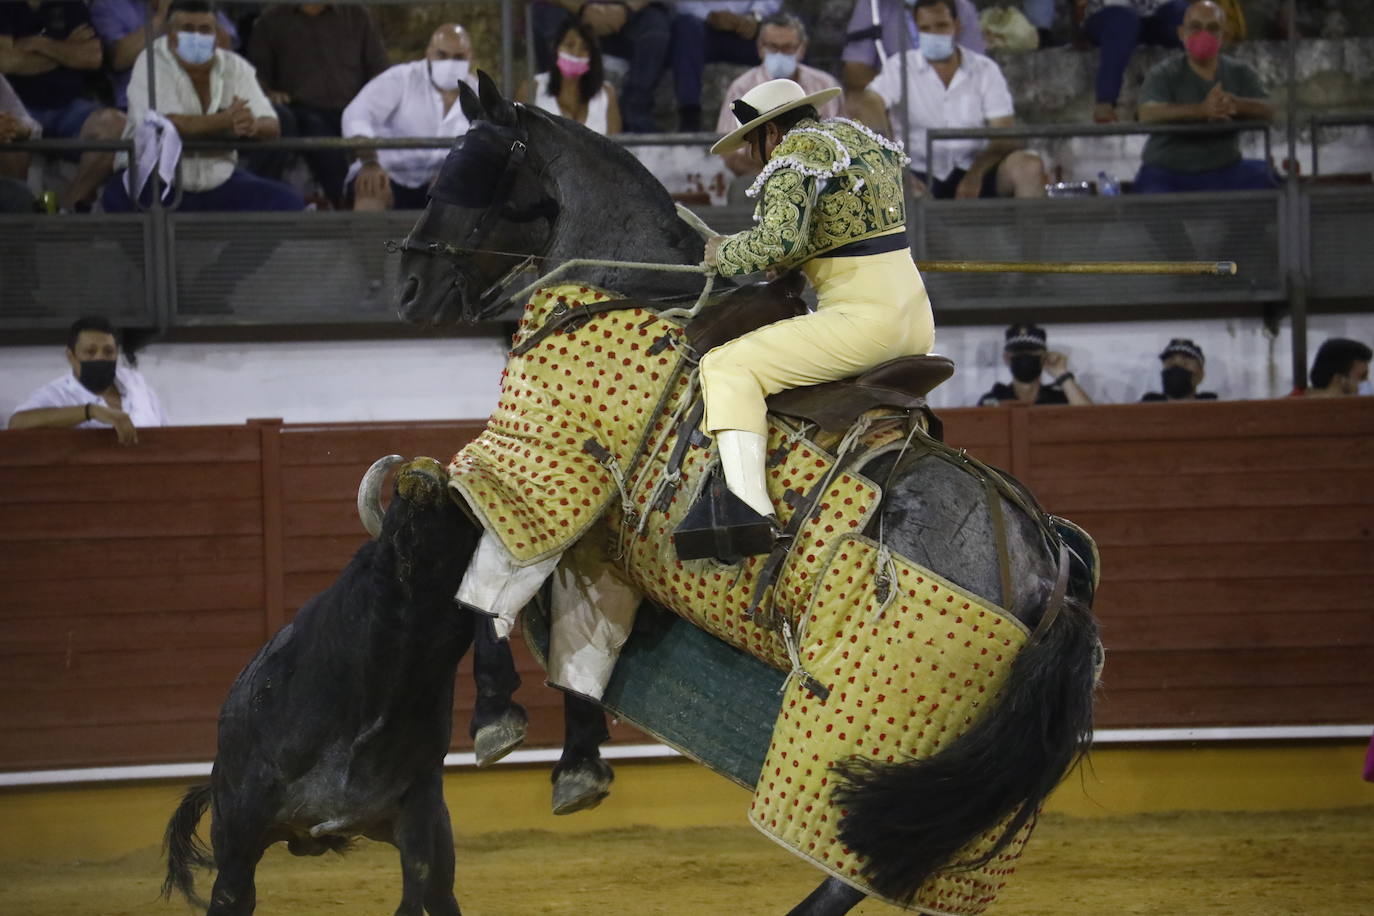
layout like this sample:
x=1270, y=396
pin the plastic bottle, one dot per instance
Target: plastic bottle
x=1107, y=185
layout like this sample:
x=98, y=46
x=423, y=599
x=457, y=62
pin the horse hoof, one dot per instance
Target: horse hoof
x=582, y=786
x=498, y=739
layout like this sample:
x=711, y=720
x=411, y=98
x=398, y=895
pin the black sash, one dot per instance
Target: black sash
x=882, y=244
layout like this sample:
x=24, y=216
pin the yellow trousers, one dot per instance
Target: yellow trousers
x=872, y=309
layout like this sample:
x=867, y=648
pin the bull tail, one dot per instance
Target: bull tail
x=910, y=819
x=185, y=850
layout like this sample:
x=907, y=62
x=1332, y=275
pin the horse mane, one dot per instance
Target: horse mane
x=605, y=180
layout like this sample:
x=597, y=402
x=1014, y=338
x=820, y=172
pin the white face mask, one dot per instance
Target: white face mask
x=447, y=74
x=194, y=47
x=1366, y=387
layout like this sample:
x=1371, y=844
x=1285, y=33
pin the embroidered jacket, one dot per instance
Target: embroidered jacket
x=827, y=184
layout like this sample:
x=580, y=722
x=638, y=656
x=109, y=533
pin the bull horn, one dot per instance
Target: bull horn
x=370, y=495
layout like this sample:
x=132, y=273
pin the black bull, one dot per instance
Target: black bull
x=338, y=727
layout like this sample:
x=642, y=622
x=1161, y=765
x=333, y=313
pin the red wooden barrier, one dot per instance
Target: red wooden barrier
x=1238, y=564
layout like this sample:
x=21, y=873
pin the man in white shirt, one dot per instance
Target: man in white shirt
x=97, y=393
x=206, y=93
x=781, y=46
x=949, y=86
x=416, y=99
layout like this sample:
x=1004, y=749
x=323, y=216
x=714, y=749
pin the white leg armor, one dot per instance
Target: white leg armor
x=593, y=610
x=742, y=456
x=495, y=585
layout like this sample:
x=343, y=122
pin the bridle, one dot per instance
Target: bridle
x=496, y=209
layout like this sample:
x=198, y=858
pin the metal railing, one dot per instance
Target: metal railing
x=1320, y=122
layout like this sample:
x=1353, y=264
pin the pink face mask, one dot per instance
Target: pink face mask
x=1203, y=45
x=572, y=67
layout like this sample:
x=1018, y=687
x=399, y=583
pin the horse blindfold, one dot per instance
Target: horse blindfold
x=480, y=169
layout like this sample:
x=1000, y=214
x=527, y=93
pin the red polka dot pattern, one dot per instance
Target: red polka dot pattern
x=903, y=684
x=528, y=475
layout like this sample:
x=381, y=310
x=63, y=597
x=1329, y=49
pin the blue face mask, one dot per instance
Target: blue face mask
x=195, y=47
x=779, y=66
x=936, y=47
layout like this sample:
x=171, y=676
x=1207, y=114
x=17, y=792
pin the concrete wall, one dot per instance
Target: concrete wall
x=207, y=383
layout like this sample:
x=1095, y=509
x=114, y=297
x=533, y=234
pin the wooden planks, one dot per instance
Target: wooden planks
x=1236, y=543
x=132, y=590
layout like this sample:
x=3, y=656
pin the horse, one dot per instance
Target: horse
x=525, y=187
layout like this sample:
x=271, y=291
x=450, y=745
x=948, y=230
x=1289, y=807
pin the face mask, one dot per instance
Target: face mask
x=96, y=375
x=447, y=74
x=936, y=47
x=572, y=66
x=779, y=66
x=1203, y=45
x=195, y=47
x=1366, y=387
x=1026, y=367
x=1178, y=382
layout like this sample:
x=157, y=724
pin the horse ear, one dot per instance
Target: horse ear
x=499, y=111
x=471, y=104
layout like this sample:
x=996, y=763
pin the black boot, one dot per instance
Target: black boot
x=721, y=525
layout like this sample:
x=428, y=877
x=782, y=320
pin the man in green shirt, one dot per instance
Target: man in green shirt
x=1202, y=86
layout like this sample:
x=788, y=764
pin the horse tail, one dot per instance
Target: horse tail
x=911, y=818
x=184, y=850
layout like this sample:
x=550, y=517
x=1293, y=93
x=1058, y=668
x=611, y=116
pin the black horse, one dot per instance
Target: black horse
x=527, y=187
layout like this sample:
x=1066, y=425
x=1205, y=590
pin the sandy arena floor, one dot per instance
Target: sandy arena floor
x=1285, y=864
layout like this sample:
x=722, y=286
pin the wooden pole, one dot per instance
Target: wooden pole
x=1199, y=268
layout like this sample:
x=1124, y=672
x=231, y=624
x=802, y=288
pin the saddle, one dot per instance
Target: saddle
x=901, y=383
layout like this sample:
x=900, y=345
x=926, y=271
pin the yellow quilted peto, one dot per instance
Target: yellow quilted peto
x=904, y=679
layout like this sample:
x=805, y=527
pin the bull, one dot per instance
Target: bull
x=338, y=727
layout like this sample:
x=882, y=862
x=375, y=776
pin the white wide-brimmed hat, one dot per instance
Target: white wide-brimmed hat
x=762, y=104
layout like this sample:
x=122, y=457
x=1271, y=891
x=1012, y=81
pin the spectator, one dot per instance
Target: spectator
x=1118, y=27
x=881, y=29
x=1181, y=373
x=1041, y=15
x=1340, y=369
x=951, y=86
x=46, y=49
x=636, y=30
x=205, y=92
x=312, y=60
x=15, y=124
x=781, y=46
x=416, y=99
x=1024, y=352
x=712, y=31
x=97, y=393
x=1196, y=86
x=576, y=87
x=122, y=28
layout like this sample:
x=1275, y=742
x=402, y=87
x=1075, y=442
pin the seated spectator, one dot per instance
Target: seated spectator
x=1041, y=15
x=882, y=29
x=1181, y=373
x=712, y=31
x=781, y=46
x=97, y=393
x=1340, y=369
x=416, y=99
x=312, y=60
x=46, y=50
x=1024, y=352
x=205, y=92
x=576, y=87
x=15, y=124
x=1118, y=27
x=952, y=86
x=122, y=28
x=1201, y=85
x=637, y=31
